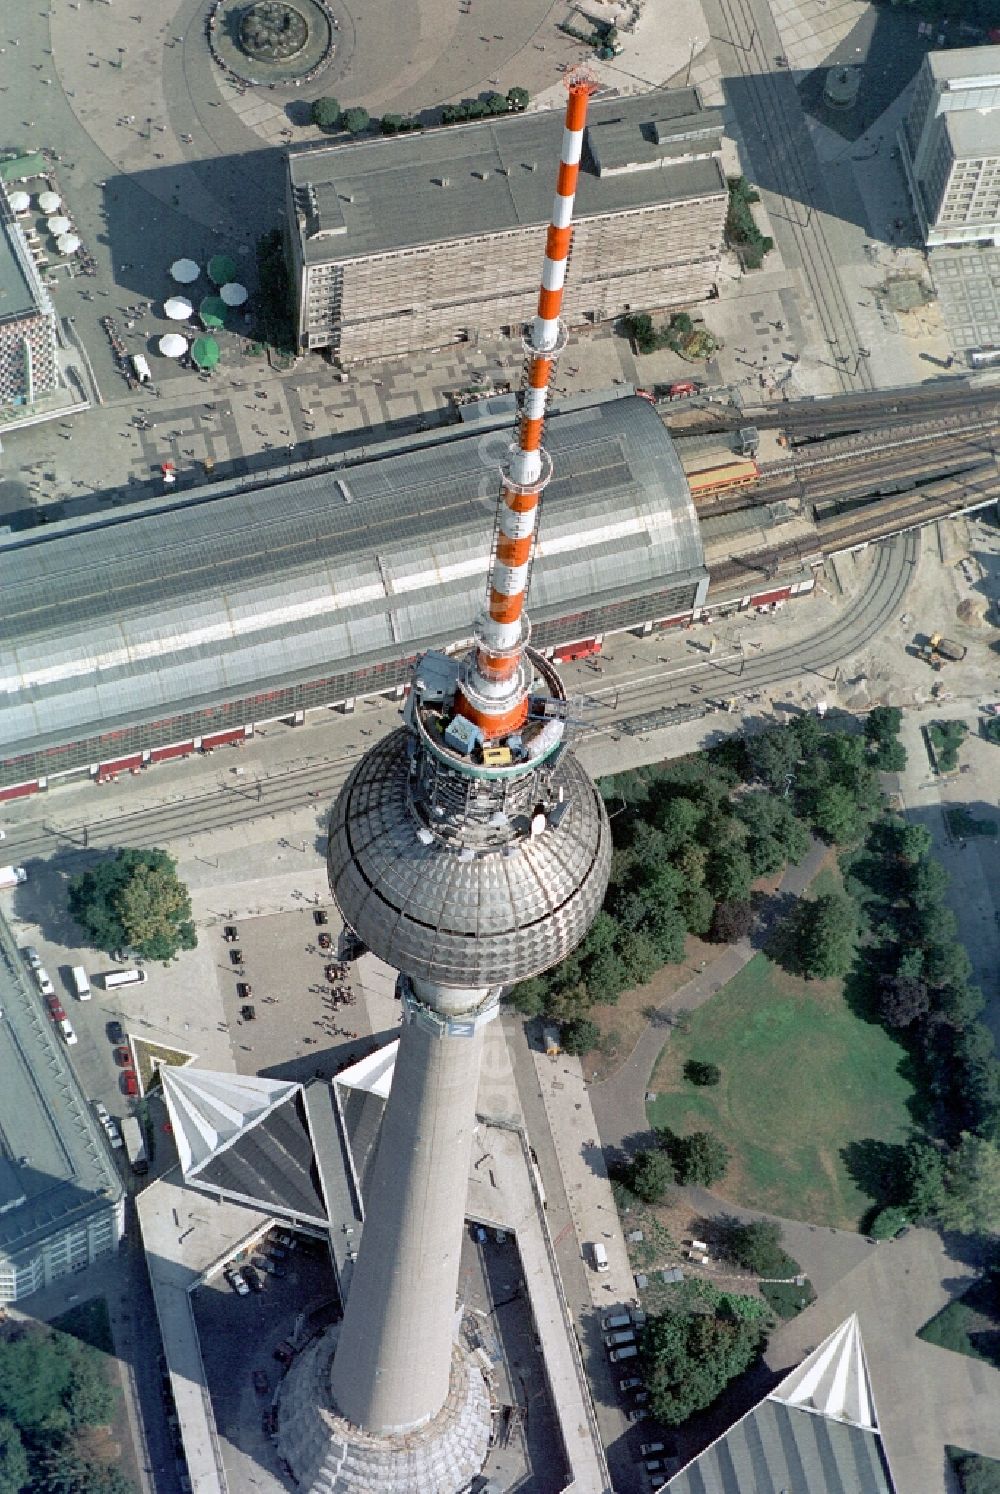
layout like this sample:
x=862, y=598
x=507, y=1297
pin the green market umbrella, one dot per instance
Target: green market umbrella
x=205, y=352
x=212, y=311
x=221, y=268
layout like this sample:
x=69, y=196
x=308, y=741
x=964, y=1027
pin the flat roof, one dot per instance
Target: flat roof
x=974, y=133
x=499, y=174
x=18, y=295
x=57, y=1166
x=136, y=616
x=962, y=63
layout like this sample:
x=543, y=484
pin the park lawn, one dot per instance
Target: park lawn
x=967, y=1326
x=802, y=1078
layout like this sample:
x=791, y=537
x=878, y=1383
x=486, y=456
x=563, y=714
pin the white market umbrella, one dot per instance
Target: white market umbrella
x=234, y=294
x=173, y=345
x=184, y=271
x=59, y=225
x=20, y=202
x=178, y=309
x=49, y=202
x=67, y=243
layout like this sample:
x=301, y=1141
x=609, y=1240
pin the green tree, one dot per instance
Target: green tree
x=477, y=109
x=902, y=1001
x=497, y=103
x=773, y=758
x=391, y=124
x=696, y=1071
x=136, y=902
x=689, y=1358
x=700, y=1159
x=651, y=1176
x=518, y=99
x=825, y=931
x=775, y=836
x=883, y=723
x=580, y=1036
x=728, y=873
x=355, y=120
x=529, y=996
x=890, y=757
x=979, y=1475
x=326, y=113
x=13, y=1459
x=971, y=1201
x=837, y=814
x=912, y=842
x=922, y=1178
x=755, y=1245
x=35, y=1382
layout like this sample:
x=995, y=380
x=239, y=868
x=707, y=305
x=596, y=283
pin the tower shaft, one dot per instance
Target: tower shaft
x=394, y=1358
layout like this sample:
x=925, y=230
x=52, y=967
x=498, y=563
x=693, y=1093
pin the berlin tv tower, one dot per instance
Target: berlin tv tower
x=468, y=850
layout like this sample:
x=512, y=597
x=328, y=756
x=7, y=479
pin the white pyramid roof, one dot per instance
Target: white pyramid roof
x=209, y=1111
x=373, y=1072
x=833, y=1380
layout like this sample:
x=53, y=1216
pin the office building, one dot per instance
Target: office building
x=428, y=239
x=950, y=145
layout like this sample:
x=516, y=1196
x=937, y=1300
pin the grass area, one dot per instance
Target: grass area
x=151, y=1056
x=826, y=881
x=974, y=1471
x=803, y=1078
x=90, y=1323
x=969, y=1325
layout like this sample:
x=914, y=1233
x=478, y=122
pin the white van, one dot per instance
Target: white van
x=123, y=978
x=141, y=368
x=600, y=1255
x=80, y=983
x=619, y=1340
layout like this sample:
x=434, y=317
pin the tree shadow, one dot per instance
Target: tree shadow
x=876, y=1168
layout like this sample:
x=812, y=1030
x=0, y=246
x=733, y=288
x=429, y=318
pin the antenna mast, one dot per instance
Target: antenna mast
x=493, y=688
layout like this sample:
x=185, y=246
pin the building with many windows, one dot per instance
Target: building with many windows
x=433, y=238
x=950, y=145
x=62, y=1201
x=28, y=365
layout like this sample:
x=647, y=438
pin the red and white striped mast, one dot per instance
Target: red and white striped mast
x=493, y=691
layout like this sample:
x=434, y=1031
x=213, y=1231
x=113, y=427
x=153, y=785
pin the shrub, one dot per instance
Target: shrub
x=391, y=124
x=518, y=99
x=326, y=113
x=785, y=1298
x=355, y=120
x=757, y=1247
x=702, y=1073
x=887, y=1223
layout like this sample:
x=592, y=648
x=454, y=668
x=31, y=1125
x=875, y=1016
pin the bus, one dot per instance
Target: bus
x=115, y=978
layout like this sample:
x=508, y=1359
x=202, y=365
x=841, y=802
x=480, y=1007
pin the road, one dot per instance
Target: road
x=775, y=137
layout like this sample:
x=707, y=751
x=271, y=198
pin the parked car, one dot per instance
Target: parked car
x=284, y=1353
x=319, y=916
x=261, y=1383
x=44, y=983
x=32, y=956
x=277, y=1252
x=269, y=1422
x=636, y=1413
x=236, y=957
x=129, y=1084
x=229, y=933
x=55, y=1007
x=123, y=1058
x=244, y=990
x=324, y=941
x=236, y=1281
x=116, y=1033
x=286, y=1242
x=66, y=1028
x=252, y=1278
x=630, y=1382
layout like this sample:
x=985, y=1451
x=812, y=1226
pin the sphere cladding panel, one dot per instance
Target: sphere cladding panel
x=490, y=920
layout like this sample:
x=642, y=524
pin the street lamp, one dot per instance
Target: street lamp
x=687, y=75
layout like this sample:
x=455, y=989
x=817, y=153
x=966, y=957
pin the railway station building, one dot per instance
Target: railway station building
x=373, y=280
x=132, y=637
